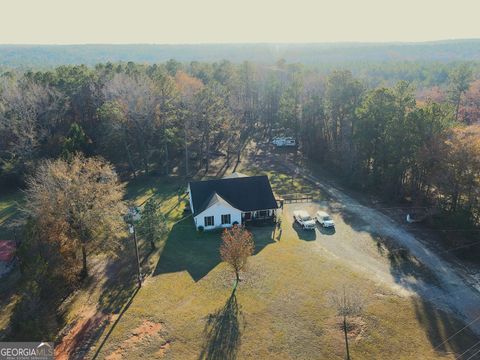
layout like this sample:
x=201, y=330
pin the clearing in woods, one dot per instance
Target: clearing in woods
x=282, y=309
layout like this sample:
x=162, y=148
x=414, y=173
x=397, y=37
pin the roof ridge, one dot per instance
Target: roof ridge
x=208, y=203
x=227, y=179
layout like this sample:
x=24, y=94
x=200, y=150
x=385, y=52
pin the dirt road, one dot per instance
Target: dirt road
x=373, y=242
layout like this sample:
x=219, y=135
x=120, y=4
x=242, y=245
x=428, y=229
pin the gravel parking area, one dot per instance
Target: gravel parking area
x=371, y=242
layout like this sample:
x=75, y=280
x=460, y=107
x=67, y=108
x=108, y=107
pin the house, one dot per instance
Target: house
x=236, y=199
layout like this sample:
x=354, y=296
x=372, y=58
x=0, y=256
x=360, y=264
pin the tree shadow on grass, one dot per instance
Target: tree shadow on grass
x=7, y=215
x=446, y=333
x=120, y=314
x=197, y=252
x=162, y=187
x=433, y=301
x=117, y=294
x=223, y=331
x=441, y=327
x=118, y=288
x=405, y=268
x=88, y=333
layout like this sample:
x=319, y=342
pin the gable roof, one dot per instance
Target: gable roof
x=215, y=199
x=248, y=193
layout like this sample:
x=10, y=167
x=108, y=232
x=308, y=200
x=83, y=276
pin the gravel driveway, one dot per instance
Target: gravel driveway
x=373, y=242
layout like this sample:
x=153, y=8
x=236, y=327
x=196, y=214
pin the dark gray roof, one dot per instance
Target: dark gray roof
x=244, y=193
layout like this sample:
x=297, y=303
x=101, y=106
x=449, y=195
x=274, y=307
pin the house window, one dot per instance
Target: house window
x=226, y=219
x=262, y=213
x=208, y=220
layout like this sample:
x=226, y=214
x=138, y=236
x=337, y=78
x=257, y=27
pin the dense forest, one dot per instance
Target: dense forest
x=407, y=133
x=399, y=141
x=327, y=55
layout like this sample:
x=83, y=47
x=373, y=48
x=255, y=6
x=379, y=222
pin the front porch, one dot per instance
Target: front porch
x=259, y=217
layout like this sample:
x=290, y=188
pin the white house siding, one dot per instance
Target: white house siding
x=217, y=211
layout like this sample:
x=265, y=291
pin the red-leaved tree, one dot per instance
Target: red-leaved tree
x=236, y=247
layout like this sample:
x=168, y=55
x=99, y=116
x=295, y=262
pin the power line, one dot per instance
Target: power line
x=470, y=348
x=458, y=332
x=459, y=247
x=307, y=177
x=478, y=351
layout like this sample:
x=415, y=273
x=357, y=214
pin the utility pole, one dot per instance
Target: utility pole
x=139, y=274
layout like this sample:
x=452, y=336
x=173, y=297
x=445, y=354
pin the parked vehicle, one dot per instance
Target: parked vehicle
x=304, y=219
x=284, y=142
x=324, y=219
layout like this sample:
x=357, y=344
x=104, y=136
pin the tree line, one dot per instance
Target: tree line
x=155, y=119
x=68, y=134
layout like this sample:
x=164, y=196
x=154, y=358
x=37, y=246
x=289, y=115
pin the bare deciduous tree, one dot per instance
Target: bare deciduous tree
x=347, y=304
x=29, y=114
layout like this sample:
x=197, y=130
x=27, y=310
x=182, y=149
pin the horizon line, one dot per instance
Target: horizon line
x=340, y=42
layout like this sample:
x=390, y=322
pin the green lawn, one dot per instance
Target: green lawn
x=197, y=252
x=8, y=211
x=281, y=309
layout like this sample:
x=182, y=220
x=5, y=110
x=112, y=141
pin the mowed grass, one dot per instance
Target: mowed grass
x=9, y=203
x=106, y=292
x=282, y=308
x=115, y=278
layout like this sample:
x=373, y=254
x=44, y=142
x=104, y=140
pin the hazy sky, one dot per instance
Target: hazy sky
x=211, y=21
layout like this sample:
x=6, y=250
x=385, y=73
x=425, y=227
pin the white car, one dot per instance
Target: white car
x=284, y=141
x=324, y=219
x=304, y=220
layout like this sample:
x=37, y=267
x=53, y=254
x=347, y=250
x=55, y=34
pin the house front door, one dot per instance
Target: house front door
x=247, y=216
